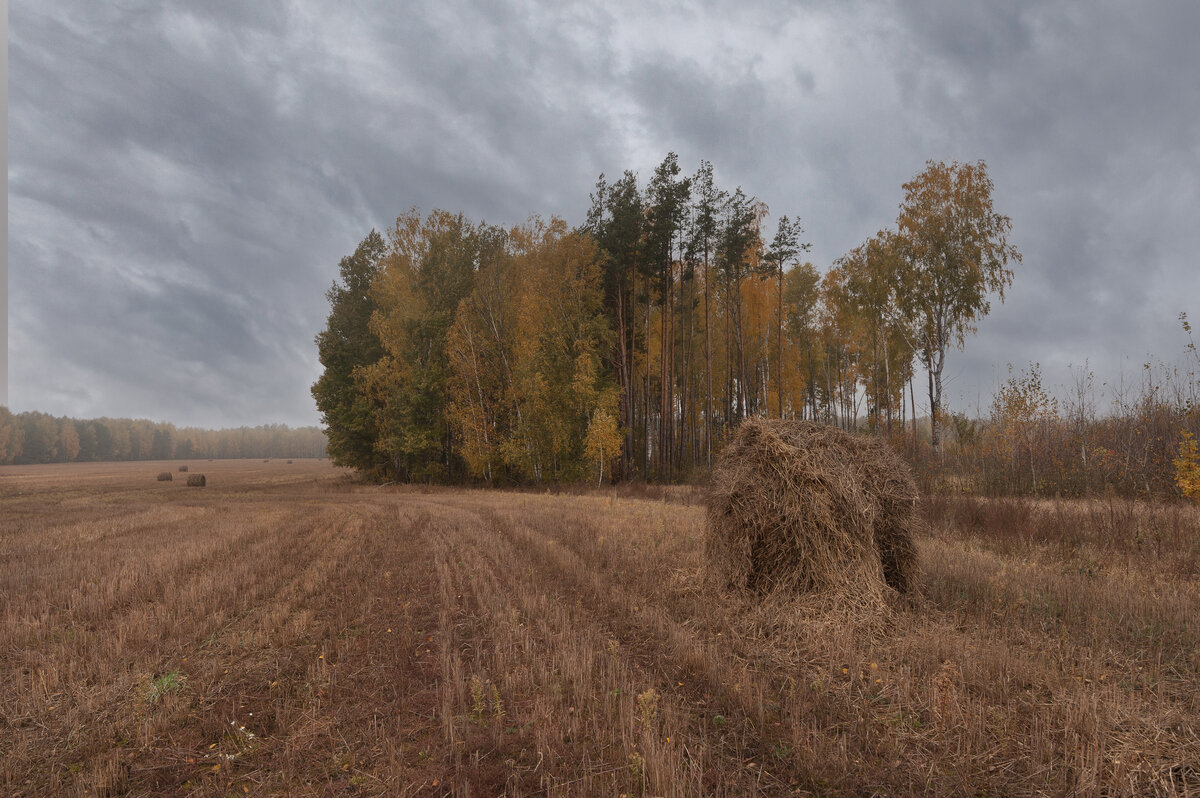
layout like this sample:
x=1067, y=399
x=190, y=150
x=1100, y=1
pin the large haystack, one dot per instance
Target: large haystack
x=165, y=476
x=196, y=481
x=810, y=508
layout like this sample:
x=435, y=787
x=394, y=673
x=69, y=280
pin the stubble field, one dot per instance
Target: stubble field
x=286, y=631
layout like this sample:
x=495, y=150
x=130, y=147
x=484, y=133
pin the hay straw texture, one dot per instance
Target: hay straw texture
x=165, y=476
x=808, y=508
x=196, y=481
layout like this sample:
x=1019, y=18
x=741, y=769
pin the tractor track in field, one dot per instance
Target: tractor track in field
x=291, y=632
x=498, y=565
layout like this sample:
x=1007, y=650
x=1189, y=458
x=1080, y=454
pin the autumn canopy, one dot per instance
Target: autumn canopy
x=630, y=347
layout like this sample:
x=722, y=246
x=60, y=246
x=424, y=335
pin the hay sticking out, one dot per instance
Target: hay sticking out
x=165, y=476
x=196, y=481
x=808, y=510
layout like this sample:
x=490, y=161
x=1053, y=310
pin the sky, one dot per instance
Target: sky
x=183, y=178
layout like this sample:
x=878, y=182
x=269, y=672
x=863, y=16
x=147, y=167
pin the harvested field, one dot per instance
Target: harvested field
x=286, y=631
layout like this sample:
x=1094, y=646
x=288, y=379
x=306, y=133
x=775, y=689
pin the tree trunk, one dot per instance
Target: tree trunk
x=623, y=377
x=687, y=442
x=779, y=342
x=708, y=420
x=646, y=397
x=664, y=379
x=887, y=382
x=742, y=361
x=912, y=399
x=730, y=401
x=935, y=361
x=669, y=449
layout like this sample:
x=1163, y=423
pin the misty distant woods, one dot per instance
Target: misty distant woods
x=42, y=438
x=630, y=346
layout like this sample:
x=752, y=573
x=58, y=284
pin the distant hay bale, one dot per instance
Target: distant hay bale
x=183, y=469
x=289, y=462
x=165, y=476
x=196, y=481
x=809, y=508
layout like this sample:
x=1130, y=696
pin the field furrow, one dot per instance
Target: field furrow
x=290, y=632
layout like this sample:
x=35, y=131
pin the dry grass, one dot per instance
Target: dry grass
x=285, y=631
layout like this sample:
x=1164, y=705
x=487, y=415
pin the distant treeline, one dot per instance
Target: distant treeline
x=34, y=437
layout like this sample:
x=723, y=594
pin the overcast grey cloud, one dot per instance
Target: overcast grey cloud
x=184, y=177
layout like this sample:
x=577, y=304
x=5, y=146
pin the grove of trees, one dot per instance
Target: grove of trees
x=630, y=346
x=34, y=437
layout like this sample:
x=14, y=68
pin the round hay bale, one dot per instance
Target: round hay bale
x=196, y=481
x=165, y=476
x=183, y=469
x=810, y=508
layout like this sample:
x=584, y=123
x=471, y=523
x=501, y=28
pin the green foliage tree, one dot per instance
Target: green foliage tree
x=707, y=200
x=616, y=222
x=667, y=197
x=429, y=269
x=738, y=249
x=346, y=345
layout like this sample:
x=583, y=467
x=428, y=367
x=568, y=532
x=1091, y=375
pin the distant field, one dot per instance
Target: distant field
x=285, y=631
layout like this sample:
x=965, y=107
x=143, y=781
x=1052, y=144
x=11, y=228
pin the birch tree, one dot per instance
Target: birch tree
x=957, y=254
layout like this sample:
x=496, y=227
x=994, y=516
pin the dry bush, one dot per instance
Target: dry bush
x=165, y=476
x=196, y=481
x=809, y=508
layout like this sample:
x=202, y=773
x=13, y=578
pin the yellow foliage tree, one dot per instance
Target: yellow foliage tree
x=603, y=443
x=1020, y=409
x=1187, y=467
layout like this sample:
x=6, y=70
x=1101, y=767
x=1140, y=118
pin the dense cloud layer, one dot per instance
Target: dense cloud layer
x=184, y=177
